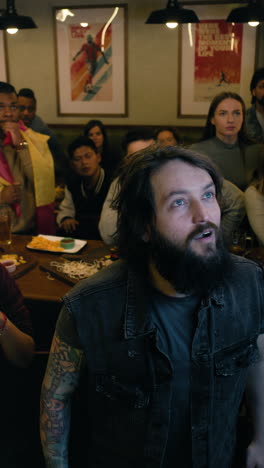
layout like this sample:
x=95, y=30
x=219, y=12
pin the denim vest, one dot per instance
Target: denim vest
x=253, y=127
x=129, y=388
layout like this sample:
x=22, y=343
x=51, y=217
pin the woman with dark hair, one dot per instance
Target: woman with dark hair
x=96, y=131
x=254, y=200
x=225, y=140
x=167, y=136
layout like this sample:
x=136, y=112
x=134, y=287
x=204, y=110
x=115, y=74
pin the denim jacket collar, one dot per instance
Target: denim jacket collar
x=136, y=319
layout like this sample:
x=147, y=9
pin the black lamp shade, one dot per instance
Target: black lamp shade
x=10, y=19
x=173, y=13
x=16, y=21
x=177, y=15
x=246, y=14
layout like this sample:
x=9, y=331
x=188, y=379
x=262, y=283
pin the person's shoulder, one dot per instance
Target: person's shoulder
x=114, y=275
x=202, y=145
x=251, y=190
x=254, y=148
x=250, y=111
x=38, y=125
x=245, y=266
x=228, y=188
x=113, y=187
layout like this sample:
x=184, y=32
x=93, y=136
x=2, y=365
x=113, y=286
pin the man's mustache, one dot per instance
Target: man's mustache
x=202, y=228
x=261, y=101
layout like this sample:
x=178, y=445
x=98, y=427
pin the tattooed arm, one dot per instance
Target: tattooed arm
x=59, y=383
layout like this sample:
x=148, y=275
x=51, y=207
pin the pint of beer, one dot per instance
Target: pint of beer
x=5, y=224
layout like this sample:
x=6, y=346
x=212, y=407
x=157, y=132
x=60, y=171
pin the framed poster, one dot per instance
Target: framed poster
x=3, y=61
x=91, y=60
x=215, y=56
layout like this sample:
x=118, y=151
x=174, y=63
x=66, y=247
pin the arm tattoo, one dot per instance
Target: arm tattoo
x=59, y=383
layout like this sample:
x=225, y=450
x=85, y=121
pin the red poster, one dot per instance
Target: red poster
x=218, y=55
x=90, y=64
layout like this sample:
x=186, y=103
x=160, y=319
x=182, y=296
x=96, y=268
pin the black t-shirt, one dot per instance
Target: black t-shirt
x=175, y=320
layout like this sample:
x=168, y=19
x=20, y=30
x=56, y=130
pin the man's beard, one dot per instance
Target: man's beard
x=186, y=271
x=260, y=101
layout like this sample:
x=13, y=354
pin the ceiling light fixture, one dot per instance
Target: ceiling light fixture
x=253, y=14
x=172, y=15
x=12, y=22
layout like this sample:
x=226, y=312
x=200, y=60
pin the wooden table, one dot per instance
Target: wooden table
x=35, y=284
x=42, y=295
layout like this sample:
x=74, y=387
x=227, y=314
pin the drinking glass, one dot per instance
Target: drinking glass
x=238, y=246
x=5, y=224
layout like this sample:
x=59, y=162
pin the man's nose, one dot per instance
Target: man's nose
x=199, y=212
x=7, y=111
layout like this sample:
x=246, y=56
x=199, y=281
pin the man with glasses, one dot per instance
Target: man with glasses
x=26, y=169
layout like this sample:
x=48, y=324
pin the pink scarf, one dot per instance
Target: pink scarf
x=5, y=172
x=45, y=217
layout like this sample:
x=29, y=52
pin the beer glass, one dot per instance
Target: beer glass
x=5, y=224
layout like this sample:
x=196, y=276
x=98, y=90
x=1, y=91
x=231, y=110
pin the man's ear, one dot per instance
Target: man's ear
x=146, y=235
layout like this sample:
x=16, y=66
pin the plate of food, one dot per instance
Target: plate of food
x=56, y=244
x=22, y=262
x=72, y=269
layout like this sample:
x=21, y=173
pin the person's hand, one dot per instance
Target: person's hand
x=255, y=455
x=11, y=194
x=13, y=129
x=69, y=224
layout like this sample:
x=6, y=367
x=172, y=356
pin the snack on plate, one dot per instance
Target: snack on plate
x=41, y=243
x=18, y=259
x=80, y=269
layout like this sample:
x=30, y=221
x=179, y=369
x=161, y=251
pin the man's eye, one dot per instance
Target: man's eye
x=179, y=202
x=209, y=195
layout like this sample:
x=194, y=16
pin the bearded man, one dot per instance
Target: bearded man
x=254, y=117
x=171, y=334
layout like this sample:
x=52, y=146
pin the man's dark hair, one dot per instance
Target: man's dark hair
x=6, y=88
x=78, y=142
x=168, y=129
x=257, y=76
x=136, y=134
x=27, y=93
x=209, y=130
x=135, y=199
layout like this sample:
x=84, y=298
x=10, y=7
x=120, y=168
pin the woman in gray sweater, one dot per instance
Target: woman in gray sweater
x=225, y=140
